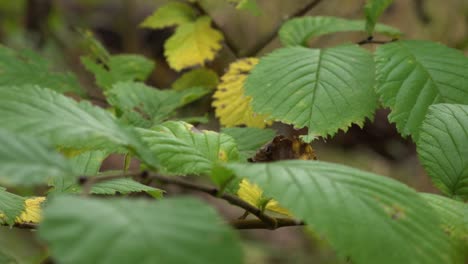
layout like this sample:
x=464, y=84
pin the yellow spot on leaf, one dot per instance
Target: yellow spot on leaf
x=31, y=212
x=232, y=107
x=171, y=14
x=222, y=156
x=193, y=44
x=252, y=194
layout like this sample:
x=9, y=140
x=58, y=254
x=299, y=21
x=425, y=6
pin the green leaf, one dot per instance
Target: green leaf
x=145, y=106
x=201, y=77
x=27, y=161
x=443, y=148
x=249, y=139
x=183, y=149
x=413, y=74
x=124, y=186
x=115, y=231
x=193, y=44
x=374, y=9
x=325, y=90
x=299, y=31
x=27, y=67
x=171, y=14
x=359, y=213
x=11, y=206
x=84, y=164
x=45, y=114
x=20, y=246
x=454, y=216
x=120, y=68
x=88, y=163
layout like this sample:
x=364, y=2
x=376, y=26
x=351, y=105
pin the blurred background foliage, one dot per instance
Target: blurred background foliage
x=50, y=27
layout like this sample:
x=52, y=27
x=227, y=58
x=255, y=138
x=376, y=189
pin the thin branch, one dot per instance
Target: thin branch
x=258, y=224
x=371, y=40
x=270, y=222
x=26, y=226
x=269, y=38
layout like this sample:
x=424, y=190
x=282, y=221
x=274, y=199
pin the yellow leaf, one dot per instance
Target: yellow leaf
x=252, y=194
x=201, y=77
x=31, y=212
x=171, y=14
x=232, y=107
x=192, y=44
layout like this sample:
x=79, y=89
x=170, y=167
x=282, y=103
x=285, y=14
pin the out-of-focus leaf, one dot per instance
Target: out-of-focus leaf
x=120, y=68
x=26, y=160
x=193, y=44
x=144, y=106
x=201, y=77
x=117, y=231
x=171, y=14
x=374, y=9
x=124, y=186
x=45, y=114
x=11, y=206
x=28, y=68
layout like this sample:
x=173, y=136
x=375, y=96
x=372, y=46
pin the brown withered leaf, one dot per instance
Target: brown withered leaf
x=283, y=148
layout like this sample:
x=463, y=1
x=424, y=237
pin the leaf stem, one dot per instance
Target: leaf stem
x=371, y=40
x=258, y=224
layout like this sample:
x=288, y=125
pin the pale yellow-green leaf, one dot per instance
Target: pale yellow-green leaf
x=252, y=194
x=201, y=77
x=231, y=105
x=171, y=14
x=193, y=44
